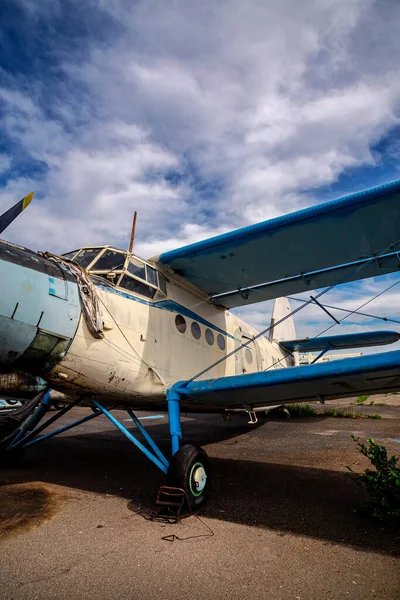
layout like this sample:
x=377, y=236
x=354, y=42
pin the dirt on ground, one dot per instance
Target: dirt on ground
x=24, y=506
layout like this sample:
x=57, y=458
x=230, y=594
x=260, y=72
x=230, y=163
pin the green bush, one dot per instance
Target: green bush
x=381, y=483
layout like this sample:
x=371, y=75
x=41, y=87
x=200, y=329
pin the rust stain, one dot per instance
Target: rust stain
x=25, y=506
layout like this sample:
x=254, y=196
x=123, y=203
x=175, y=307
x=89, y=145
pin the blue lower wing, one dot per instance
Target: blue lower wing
x=371, y=374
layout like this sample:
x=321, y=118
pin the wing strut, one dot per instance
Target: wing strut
x=325, y=310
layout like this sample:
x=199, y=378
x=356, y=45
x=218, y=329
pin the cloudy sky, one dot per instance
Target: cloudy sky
x=202, y=116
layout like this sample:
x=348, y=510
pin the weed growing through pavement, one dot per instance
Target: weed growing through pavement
x=305, y=410
x=348, y=414
x=302, y=410
x=361, y=399
x=381, y=483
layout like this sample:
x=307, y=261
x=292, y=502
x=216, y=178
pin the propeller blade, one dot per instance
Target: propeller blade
x=13, y=212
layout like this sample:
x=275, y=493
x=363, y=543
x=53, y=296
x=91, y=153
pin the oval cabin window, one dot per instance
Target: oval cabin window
x=209, y=337
x=180, y=323
x=221, y=342
x=196, y=331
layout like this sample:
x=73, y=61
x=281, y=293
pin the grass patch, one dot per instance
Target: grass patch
x=302, y=410
x=338, y=413
x=361, y=399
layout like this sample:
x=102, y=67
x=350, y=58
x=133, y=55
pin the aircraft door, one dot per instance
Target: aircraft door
x=249, y=356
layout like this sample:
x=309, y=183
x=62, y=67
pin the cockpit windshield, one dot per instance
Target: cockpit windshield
x=86, y=256
x=109, y=266
x=70, y=254
x=110, y=260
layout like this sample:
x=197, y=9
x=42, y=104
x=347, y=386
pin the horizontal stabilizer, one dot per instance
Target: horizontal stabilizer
x=318, y=246
x=369, y=374
x=341, y=342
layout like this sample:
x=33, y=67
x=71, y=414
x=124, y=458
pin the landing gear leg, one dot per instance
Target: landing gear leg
x=174, y=416
x=34, y=419
x=189, y=468
x=12, y=454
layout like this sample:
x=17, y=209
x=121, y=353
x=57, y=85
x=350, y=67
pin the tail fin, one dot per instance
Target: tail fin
x=285, y=330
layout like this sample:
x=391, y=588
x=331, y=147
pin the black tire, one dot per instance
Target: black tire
x=58, y=405
x=188, y=462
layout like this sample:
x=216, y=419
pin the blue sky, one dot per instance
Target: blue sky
x=203, y=116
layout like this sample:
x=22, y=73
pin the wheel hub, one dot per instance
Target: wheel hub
x=198, y=479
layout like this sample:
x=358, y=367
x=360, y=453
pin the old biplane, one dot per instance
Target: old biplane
x=104, y=328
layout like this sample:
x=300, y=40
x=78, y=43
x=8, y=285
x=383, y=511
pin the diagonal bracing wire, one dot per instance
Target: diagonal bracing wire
x=347, y=310
x=351, y=312
x=356, y=309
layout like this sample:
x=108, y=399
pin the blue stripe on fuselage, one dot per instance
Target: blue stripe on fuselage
x=169, y=305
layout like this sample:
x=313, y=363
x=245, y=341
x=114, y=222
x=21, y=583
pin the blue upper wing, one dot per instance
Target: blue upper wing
x=304, y=250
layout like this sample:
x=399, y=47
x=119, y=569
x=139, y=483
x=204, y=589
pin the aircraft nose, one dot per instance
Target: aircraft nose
x=39, y=310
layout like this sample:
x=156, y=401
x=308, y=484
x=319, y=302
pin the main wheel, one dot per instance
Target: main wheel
x=58, y=405
x=189, y=469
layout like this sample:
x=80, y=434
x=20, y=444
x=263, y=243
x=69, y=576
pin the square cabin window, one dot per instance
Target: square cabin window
x=162, y=284
x=137, y=268
x=133, y=285
x=151, y=275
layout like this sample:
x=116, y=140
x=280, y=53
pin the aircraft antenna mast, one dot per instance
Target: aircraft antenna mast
x=133, y=232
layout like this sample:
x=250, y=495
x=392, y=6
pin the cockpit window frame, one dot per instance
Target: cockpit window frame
x=160, y=288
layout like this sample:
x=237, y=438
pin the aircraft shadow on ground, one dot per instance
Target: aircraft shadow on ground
x=291, y=500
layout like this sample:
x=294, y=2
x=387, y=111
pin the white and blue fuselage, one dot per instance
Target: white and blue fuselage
x=148, y=343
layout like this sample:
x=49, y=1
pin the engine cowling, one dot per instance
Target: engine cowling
x=39, y=310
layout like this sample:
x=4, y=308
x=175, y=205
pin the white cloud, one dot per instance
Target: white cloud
x=269, y=99
x=257, y=101
x=5, y=163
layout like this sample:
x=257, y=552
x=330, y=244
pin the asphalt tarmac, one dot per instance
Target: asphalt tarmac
x=280, y=523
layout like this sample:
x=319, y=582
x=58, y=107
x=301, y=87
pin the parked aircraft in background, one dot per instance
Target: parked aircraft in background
x=105, y=328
